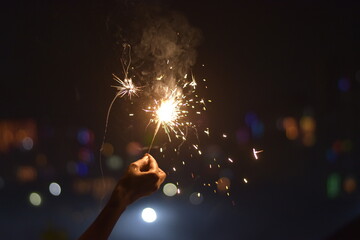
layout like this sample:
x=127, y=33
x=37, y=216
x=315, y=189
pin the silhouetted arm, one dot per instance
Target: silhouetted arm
x=142, y=178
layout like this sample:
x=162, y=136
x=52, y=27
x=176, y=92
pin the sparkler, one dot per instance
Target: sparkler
x=168, y=113
x=126, y=87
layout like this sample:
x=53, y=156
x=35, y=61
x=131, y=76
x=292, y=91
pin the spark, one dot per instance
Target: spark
x=245, y=180
x=167, y=114
x=126, y=87
x=256, y=152
x=224, y=135
x=193, y=83
x=230, y=160
x=207, y=131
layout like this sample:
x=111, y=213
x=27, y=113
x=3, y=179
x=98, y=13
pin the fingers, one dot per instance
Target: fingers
x=162, y=176
x=153, y=166
x=140, y=164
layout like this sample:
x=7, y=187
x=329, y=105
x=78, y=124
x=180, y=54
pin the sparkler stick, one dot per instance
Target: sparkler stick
x=126, y=87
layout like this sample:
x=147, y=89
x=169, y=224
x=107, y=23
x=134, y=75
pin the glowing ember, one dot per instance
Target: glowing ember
x=256, y=152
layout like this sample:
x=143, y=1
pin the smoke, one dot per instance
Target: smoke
x=163, y=45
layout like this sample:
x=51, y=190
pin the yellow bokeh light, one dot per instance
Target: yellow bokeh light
x=170, y=189
x=35, y=199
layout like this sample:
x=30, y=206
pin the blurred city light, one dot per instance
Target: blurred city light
x=349, y=185
x=148, y=215
x=344, y=84
x=35, y=199
x=170, y=189
x=291, y=128
x=107, y=149
x=17, y=134
x=133, y=149
x=85, y=136
x=114, y=162
x=333, y=185
x=26, y=173
x=223, y=184
x=55, y=189
x=27, y=143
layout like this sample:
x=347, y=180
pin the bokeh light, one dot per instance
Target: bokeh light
x=291, y=128
x=170, y=189
x=148, y=215
x=223, y=184
x=26, y=173
x=196, y=198
x=85, y=136
x=344, y=84
x=333, y=185
x=331, y=155
x=133, y=149
x=27, y=143
x=114, y=162
x=55, y=189
x=82, y=169
x=85, y=155
x=35, y=199
x=349, y=185
x=107, y=149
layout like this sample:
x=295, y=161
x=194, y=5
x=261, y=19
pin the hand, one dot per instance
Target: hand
x=142, y=178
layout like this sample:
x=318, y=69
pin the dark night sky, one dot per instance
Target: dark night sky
x=270, y=58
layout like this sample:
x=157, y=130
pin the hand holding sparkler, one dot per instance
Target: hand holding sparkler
x=142, y=178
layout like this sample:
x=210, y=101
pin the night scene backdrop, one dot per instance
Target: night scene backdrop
x=282, y=77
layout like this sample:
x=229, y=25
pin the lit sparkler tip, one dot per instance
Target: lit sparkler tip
x=126, y=87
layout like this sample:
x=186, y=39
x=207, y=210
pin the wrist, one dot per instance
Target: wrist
x=120, y=197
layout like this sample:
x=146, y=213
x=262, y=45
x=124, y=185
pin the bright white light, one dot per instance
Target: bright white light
x=35, y=199
x=168, y=111
x=148, y=215
x=170, y=189
x=55, y=189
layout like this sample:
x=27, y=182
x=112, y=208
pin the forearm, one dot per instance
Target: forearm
x=101, y=228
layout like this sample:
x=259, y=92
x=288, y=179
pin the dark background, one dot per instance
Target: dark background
x=270, y=61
